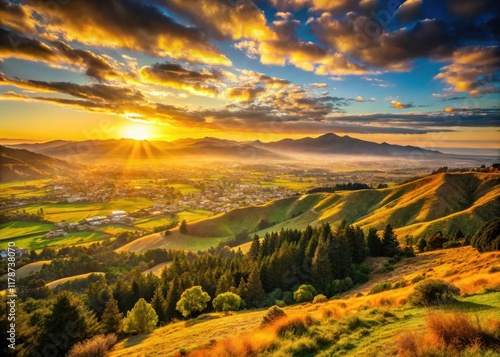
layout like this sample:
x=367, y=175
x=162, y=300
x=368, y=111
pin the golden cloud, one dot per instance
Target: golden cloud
x=121, y=25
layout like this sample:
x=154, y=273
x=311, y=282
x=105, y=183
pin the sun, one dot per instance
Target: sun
x=137, y=132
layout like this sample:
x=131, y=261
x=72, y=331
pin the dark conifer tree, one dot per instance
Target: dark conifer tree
x=111, y=317
x=321, y=266
x=159, y=304
x=254, y=251
x=389, y=242
x=174, y=294
x=374, y=243
x=255, y=291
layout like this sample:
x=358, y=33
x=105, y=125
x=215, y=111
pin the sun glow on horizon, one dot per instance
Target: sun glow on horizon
x=137, y=131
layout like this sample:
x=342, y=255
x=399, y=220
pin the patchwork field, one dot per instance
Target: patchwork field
x=30, y=235
x=75, y=212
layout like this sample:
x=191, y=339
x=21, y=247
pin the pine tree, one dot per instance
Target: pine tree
x=321, y=266
x=254, y=251
x=225, y=283
x=111, y=320
x=159, y=304
x=389, y=242
x=358, y=244
x=374, y=243
x=173, y=296
x=256, y=293
x=68, y=314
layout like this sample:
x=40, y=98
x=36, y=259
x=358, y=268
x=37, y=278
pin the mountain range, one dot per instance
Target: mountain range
x=328, y=144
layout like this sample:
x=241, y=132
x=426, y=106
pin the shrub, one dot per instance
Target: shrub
x=418, y=278
x=97, y=346
x=227, y=302
x=304, y=293
x=452, y=244
x=273, y=314
x=377, y=288
x=295, y=326
x=319, y=298
x=433, y=292
x=448, y=335
x=487, y=238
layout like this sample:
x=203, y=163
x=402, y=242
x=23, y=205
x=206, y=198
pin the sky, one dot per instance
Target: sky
x=412, y=72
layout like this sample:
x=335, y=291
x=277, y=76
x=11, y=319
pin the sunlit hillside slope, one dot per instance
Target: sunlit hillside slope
x=442, y=202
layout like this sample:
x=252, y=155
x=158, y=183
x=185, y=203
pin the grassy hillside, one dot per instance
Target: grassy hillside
x=57, y=282
x=357, y=324
x=445, y=202
x=19, y=164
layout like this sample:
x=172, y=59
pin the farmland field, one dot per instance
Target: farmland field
x=75, y=212
x=24, y=189
x=30, y=235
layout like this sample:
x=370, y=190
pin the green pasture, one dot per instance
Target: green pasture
x=75, y=212
x=24, y=189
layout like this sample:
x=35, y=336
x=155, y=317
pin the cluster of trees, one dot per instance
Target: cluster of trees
x=487, y=238
x=341, y=187
x=282, y=268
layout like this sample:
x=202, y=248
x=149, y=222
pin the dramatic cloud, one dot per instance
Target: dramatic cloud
x=244, y=94
x=56, y=54
x=288, y=49
x=175, y=76
x=472, y=70
x=127, y=24
x=369, y=42
x=224, y=19
x=409, y=11
x=16, y=17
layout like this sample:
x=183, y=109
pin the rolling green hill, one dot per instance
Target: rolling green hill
x=445, y=202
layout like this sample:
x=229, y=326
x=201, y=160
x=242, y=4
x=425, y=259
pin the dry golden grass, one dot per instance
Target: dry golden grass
x=450, y=334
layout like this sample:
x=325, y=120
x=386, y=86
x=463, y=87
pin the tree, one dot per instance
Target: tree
x=227, y=302
x=192, y=299
x=141, y=319
x=254, y=251
x=159, y=304
x=254, y=290
x=225, y=283
x=304, y=293
x=68, y=323
x=111, y=320
x=321, y=266
x=183, y=227
x=487, y=238
x=36, y=288
x=389, y=242
x=374, y=243
x=173, y=295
